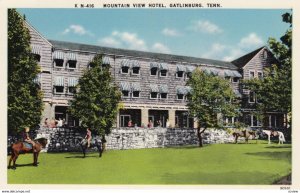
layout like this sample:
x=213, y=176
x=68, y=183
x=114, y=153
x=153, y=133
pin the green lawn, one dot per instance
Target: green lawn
x=213, y=164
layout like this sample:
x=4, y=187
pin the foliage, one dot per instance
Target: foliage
x=96, y=103
x=275, y=89
x=210, y=97
x=24, y=96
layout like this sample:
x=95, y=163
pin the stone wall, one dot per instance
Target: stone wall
x=67, y=139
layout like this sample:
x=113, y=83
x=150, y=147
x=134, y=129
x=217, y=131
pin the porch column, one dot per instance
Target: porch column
x=172, y=117
x=196, y=123
x=145, y=115
x=117, y=123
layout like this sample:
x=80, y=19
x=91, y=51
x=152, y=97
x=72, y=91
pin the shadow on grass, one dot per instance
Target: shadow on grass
x=78, y=156
x=224, y=178
x=284, y=155
x=278, y=147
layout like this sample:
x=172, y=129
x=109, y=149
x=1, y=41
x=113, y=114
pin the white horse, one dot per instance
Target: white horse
x=268, y=132
x=281, y=138
x=280, y=135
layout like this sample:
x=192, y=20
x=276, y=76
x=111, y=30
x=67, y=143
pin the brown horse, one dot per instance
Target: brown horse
x=243, y=133
x=22, y=147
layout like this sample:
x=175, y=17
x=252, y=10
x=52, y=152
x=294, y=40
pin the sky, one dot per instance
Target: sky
x=220, y=34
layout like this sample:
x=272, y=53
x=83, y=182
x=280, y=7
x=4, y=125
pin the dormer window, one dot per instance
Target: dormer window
x=72, y=60
x=180, y=71
x=36, y=51
x=58, y=58
x=163, y=69
x=135, y=67
x=125, y=64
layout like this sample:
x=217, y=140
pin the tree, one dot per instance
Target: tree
x=210, y=96
x=96, y=102
x=275, y=89
x=25, y=104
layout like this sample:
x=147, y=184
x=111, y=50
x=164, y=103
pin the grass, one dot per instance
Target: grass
x=213, y=164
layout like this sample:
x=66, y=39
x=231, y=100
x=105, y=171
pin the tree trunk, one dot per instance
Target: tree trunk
x=199, y=134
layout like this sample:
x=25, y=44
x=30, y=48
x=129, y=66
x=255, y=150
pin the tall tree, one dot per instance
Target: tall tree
x=210, y=96
x=275, y=89
x=96, y=102
x=24, y=96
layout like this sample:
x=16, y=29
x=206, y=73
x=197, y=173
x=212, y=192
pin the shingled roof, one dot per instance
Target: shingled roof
x=138, y=54
x=242, y=61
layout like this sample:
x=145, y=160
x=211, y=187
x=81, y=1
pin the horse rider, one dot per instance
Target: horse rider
x=27, y=139
x=88, y=137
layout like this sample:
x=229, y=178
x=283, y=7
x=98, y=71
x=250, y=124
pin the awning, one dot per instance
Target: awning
x=237, y=93
x=59, y=81
x=125, y=86
x=154, y=65
x=163, y=66
x=236, y=74
x=181, y=90
x=154, y=88
x=228, y=73
x=72, y=56
x=135, y=64
x=188, y=89
x=190, y=68
x=105, y=60
x=136, y=86
x=125, y=63
x=37, y=79
x=35, y=49
x=72, y=81
x=58, y=55
x=214, y=72
x=180, y=68
x=163, y=88
x=232, y=73
x=206, y=70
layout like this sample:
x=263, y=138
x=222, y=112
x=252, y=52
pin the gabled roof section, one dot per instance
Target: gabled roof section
x=242, y=61
x=33, y=29
x=139, y=54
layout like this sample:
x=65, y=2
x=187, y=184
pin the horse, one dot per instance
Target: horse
x=244, y=133
x=94, y=143
x=270, y=133
x=24, y=147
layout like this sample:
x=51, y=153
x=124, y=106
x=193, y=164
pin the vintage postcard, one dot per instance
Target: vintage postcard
x=138, y=95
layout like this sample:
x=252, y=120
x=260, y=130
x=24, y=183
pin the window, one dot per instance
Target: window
x=125, y=93
x=136, y=94
x=251, y=74
x=260, y=75
x=180, y=96
x=136, y=70
x=37, y=57
x=272, y=120
x=235, y=79
x=125, y=70
x=163, y=95
x=251, y=97
x=72, y=64
x=265, y=54
x=72, y=90
x=163, y=73
x=59, y=63
x=124, y=119
x=255, y=121
x=179, y=74
x=59, y=89
x=153, y=95
x=153, y=71
x=188, y=75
